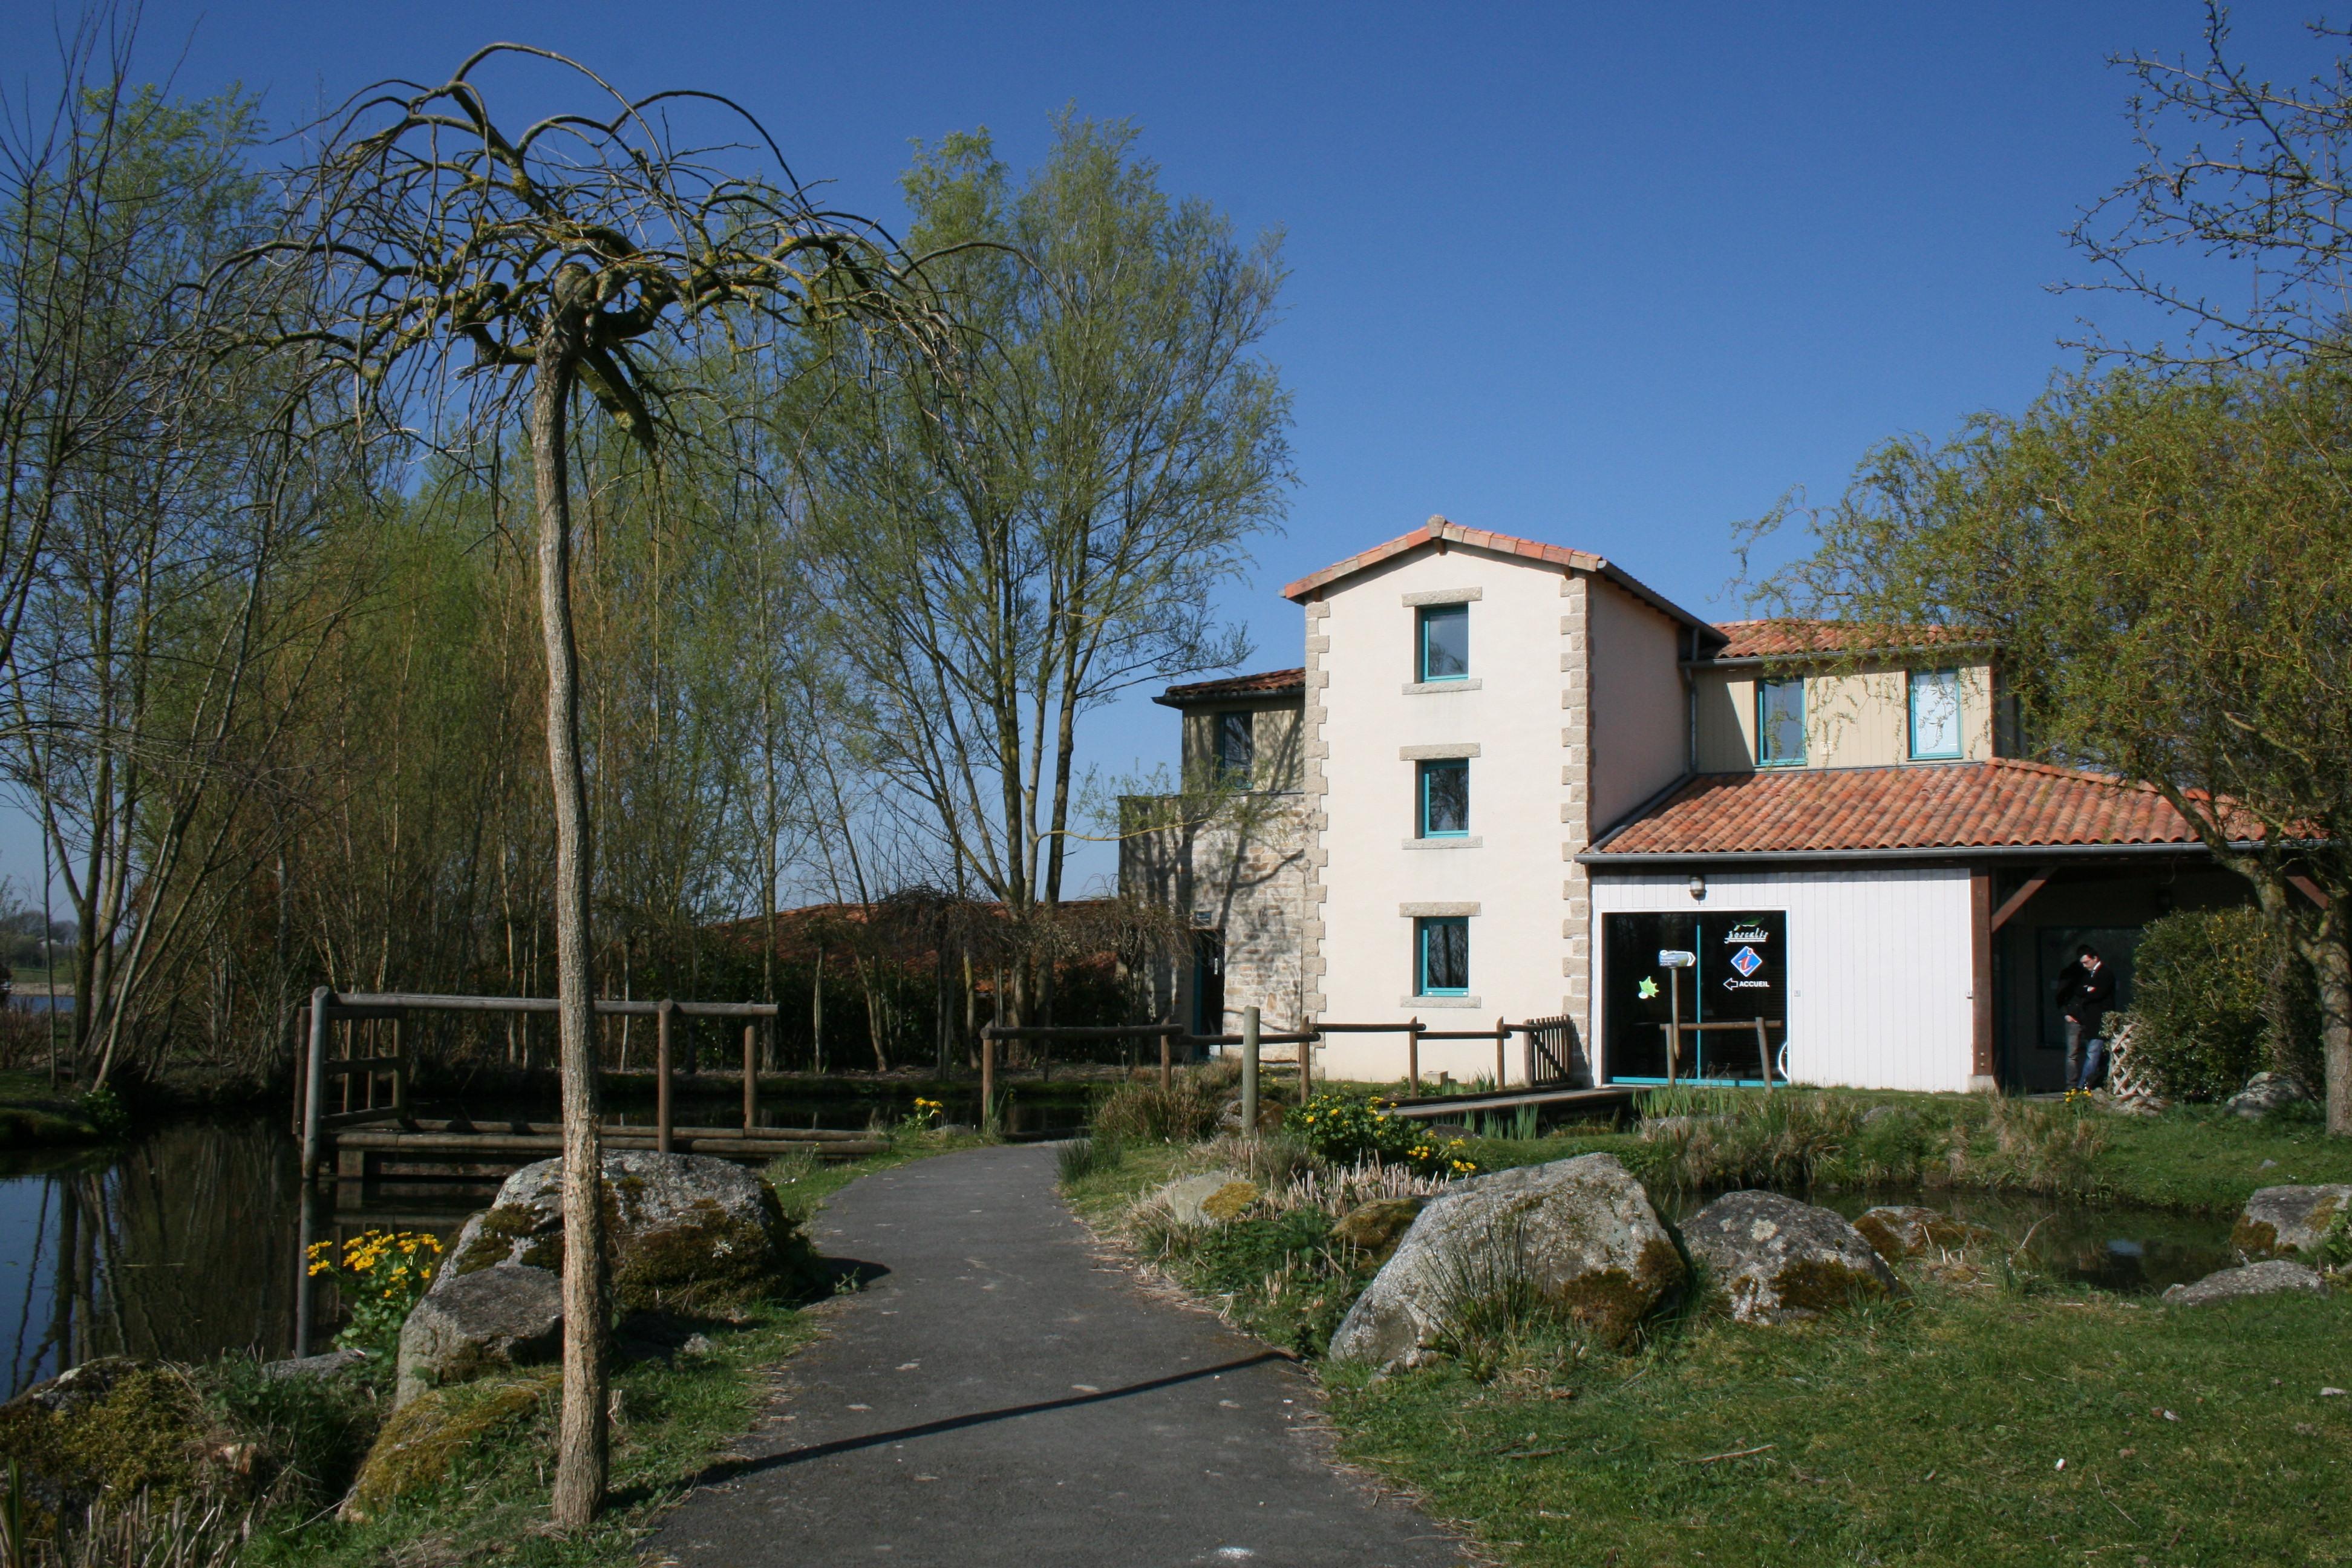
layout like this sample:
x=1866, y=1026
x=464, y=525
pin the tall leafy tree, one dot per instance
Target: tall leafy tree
x=1015, y=534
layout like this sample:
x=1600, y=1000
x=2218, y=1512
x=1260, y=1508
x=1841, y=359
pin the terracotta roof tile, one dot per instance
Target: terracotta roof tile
x=1781, y=637
x=1269, y=683
x=1919, y=805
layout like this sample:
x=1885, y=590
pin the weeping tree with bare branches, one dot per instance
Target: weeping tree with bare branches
x=474, y=267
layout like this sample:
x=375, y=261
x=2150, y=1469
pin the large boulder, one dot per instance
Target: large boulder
x=687, y=1232
x=1580, y=1233
x=2278, y=1222
x=505, y=1316
x=1897, y=1231
x=2268, y=1092
x=2266, y=1278
x=1780, y=1260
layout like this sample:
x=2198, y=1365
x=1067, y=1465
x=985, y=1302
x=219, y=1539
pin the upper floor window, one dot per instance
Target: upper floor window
x=1444, y=636
x=1446, y=798
x=1442, y=956
x=1934, y=713
x=1237, y=748
x=1781, y=722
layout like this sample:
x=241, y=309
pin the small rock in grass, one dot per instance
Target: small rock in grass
x=2266, y=1278
x=334, y=1364
x=2268, y=1092
x=2330, y=1392
x=1377, y=1226
x=1209, y=1199
x=1781, y=1261
x=1906, y=1230
x=697, y=1344
x=2278, y=1222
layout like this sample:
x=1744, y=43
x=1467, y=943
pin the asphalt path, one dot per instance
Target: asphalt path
x=999, y=1394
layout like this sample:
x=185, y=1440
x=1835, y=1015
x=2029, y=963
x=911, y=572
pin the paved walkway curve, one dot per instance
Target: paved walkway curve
x=1002, y=1396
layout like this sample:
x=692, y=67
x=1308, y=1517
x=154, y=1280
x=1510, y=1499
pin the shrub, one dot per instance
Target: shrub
x=1084, y=1157
x=2203, y=998
x=1183, y=1112
x=1349, y=1129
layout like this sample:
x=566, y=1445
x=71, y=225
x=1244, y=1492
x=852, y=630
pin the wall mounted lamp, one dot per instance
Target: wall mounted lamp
x=1698, y=885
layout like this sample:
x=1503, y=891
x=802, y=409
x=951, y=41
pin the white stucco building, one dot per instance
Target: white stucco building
x=1520, y=773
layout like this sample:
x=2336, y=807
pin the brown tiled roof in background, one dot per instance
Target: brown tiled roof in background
x=1270, y=683
x=1783, y=636
x=1913, y=805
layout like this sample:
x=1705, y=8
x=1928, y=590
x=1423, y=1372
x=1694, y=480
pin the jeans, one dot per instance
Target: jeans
x=2086, y=1060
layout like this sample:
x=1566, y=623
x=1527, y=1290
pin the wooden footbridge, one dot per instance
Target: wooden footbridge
x=371, y=1134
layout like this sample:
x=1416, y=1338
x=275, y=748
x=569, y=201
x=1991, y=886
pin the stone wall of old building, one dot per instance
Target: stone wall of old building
x=1242, y=874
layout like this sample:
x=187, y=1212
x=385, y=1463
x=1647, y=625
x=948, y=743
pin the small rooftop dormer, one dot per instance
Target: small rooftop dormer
x=1243, y=731
x=1792, y=693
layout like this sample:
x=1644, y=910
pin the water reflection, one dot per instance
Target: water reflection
x=178, y=1247
x=2117, y=1247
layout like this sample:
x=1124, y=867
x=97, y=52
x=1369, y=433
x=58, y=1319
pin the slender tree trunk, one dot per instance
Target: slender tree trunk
x=2331, y=959
x=581, y=1456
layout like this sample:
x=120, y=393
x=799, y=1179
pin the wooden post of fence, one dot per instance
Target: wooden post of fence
x=1167, y=1062
x=750, y=1076
x=399, y=1066
x=663, y=1012
x=1307, y=1065
x=1764, y=1055
x=987, y=1073
x=1412, y=1055
x=1502, y=1039
x=313, y=1085
x=1249, y=1072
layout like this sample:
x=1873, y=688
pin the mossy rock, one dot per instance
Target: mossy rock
x=1777, y=1260
x=1375, y=1229
x=423, y=1444
x=687, y=1233
x=113, y=1425
x=1898, y=1231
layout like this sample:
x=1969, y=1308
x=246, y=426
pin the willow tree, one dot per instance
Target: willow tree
x=466, y=262
x=2165, y=564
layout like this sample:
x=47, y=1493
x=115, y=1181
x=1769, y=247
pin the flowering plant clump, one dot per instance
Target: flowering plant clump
x=382, y=1275
x=923, y=1117
x=1349, y=1129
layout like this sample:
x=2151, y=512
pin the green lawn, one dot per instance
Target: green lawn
x=32, y=1114
x=1926, y=1434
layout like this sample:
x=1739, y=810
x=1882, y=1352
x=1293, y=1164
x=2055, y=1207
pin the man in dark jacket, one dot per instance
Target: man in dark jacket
x=2086, y=994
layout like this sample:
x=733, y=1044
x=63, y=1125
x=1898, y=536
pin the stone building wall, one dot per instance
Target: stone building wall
x=1242, y=874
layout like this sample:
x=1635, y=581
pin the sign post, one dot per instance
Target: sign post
x=1674, y=961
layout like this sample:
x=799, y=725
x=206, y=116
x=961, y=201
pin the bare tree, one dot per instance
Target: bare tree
x=561, y=258
x=2241, y=171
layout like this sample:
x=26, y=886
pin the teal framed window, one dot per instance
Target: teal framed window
x=1780, y=722
x=1441, y=955
x=1444, y=643
x=1236, y=740
x=1934, y=714
x=1445, y=798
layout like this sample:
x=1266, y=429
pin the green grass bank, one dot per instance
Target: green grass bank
x=1992, y=1414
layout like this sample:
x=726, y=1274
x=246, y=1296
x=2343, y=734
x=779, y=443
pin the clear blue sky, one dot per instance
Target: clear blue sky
x=1611, y=276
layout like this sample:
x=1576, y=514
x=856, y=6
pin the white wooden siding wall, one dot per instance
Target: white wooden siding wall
x=1878, y=966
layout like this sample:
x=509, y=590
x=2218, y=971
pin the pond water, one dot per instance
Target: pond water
x=184, y=1244
x=2117, y=1247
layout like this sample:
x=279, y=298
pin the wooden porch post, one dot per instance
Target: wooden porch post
x=1984, y=1075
